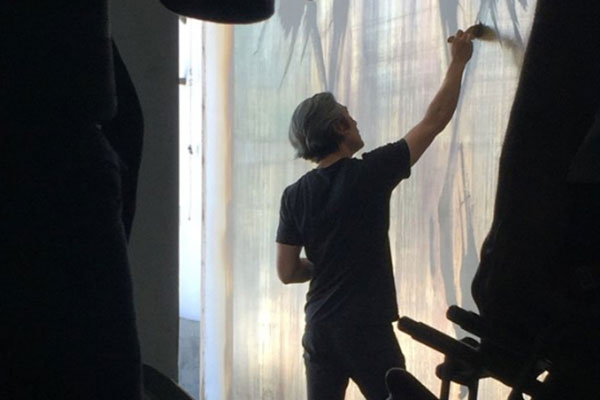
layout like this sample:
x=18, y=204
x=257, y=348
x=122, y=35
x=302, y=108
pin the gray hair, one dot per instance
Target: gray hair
x=312, y=132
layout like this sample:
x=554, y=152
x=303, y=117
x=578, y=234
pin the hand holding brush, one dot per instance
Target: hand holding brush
x=477, y=31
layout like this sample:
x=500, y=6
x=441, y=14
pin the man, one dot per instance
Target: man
x=339, y=213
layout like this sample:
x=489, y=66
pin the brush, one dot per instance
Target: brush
x=485, y=33
x=479, y=31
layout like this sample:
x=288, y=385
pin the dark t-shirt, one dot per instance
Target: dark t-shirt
x=340, y=214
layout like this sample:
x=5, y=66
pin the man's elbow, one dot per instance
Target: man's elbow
x=285, y=276
x=438, y=124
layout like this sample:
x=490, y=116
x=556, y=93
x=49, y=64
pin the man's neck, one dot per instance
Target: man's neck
x=334, y=157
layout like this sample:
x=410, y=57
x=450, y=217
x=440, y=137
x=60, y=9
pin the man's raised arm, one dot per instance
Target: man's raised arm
x=441, y=109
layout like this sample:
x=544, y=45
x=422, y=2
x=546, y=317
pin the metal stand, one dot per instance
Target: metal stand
x=466, y=362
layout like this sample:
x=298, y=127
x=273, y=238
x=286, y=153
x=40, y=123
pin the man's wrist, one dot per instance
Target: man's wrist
x=459, y=63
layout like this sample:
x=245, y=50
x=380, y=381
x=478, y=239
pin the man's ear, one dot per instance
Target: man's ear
x=341, y=126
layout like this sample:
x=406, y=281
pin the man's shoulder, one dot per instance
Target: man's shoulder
x=295, y=187
x=397, y=148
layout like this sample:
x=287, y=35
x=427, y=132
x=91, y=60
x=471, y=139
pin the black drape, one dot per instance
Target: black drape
x=125, y=132
x=540, y=265
x=67, y=192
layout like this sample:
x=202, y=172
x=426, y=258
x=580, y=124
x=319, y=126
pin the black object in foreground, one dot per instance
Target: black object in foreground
x=224, y=11
x=439, y=340
x=466, y=361
x=403, y=386
x=159, y=387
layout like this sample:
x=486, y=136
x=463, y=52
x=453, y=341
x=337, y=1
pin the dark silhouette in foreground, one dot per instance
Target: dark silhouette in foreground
x=538, y=284
x=66, y=300
x=467, y=360
x=158, y=386
x=223, y=11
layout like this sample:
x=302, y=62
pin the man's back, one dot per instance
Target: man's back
x=340, y=214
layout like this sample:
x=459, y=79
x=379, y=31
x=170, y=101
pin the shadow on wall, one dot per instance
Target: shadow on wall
x=455, y=168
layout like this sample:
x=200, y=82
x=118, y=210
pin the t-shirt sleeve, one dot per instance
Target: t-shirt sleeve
x=287, y=231
x=388, y=164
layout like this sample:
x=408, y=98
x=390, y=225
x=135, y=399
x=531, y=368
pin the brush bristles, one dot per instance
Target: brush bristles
x=484, y=32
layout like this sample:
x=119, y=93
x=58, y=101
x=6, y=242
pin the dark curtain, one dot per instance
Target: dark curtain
x=67, y=317
x=539, y=269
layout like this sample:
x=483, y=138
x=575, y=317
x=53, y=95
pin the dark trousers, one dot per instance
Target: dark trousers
x=66, y=307
x=337, y=352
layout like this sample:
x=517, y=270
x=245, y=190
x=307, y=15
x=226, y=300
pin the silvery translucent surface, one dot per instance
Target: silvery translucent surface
x=384, y=60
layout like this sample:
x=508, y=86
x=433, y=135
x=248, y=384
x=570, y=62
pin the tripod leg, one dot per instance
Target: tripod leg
x=445, y=390
x=473, y=389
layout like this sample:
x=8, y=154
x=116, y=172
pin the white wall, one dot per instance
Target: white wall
x=146, y=34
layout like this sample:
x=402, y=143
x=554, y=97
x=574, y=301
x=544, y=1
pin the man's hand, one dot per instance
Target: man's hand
x=462, y=45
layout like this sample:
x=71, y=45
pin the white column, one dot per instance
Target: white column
x=216, y=279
